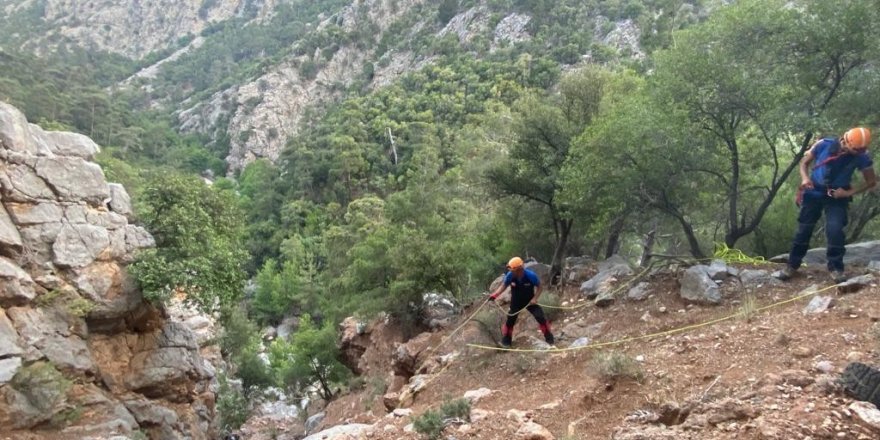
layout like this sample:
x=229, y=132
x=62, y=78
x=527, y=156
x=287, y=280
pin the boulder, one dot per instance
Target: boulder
x=602, y=284
x=342, y=432
x=532, y=431
x=755, y=278
x=580, y=329
x=818, y=304
x=314, y=421
x=858, y=254
x=542, y=270
x=639, y=292
x=856, y=283
x=698, y=287
x=719, y=270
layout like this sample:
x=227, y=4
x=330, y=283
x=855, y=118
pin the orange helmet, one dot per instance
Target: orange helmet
x=515, y=263
x=857, y=138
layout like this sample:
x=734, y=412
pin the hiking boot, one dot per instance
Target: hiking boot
x=838, y=276
x=548, y=337
x=786, y=273
x=506, y=341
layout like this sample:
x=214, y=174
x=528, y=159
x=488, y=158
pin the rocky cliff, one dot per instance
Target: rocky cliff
x=131, y=27
x=81, y=354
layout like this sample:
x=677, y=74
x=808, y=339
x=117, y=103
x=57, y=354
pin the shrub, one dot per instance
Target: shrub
x=429, y=424
x=232, y=405
x=615, y=365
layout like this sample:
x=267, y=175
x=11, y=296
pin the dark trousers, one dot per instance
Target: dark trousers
x=516, y=305
x=835, y=221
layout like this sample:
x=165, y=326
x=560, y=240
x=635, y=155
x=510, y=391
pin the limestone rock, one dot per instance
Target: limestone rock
x=818, y=304
x=79, y=245
x=532, y=431
x=71, y=144
x=868, y=414
x=74, y=179
x=46, y=332
x=16, y=286
x=474, y=396
x=342, y=432
x=9, y=235
x=8, y=338
x=640, y=292
x=698, y=287
x=8, y=368
x=314, y=421
x=120, y=202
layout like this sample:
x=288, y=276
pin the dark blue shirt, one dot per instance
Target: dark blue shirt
x=836, y=173
x=524, y=286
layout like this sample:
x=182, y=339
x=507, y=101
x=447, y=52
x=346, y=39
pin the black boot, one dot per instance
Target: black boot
x=548, y=337
x=506, y=341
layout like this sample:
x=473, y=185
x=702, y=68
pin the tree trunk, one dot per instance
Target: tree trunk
x=648, y=245
x=614, y=237
x=559, y=252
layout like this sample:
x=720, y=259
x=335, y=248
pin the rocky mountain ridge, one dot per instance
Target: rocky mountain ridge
x=82, y=355
x=130, y=27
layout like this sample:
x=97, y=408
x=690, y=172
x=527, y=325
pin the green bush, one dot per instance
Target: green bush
x=232, y=405
x=429, y=424
x=616, y=365
x=458, y=408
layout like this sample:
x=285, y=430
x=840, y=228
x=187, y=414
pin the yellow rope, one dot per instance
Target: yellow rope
x=655, y=335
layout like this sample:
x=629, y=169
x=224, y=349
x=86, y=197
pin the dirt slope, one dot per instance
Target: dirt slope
x=761, y=378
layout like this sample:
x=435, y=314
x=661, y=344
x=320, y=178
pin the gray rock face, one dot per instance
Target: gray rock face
x=9, y=236
x=69, y=314
x=46, y=332
x=74, y=179
x=8, y=338
x=698, y=287
x=79, y=245
x=8, y=368
x=120, y=202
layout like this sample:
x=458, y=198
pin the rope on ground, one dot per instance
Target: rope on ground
x=443, y=341
x=657, y=334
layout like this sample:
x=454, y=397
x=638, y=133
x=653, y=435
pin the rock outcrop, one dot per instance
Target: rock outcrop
x=82, y=354
x=134, y=28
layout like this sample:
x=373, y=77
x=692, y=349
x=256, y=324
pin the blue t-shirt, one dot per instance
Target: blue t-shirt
x=838, y=172
x=522, y=286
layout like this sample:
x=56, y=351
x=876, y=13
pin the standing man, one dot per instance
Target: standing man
x=828, y=188
x=525, y=289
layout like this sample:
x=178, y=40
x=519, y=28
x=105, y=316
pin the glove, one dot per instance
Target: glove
x=491, y=298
